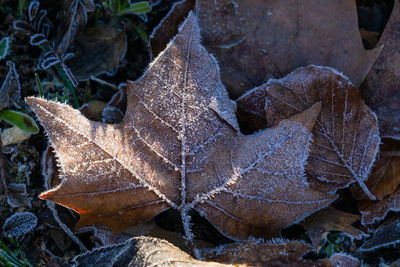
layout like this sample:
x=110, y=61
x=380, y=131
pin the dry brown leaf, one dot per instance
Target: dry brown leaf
x=375, y=211
x=178, y=146
x=331, y=219
x=10, y=88
x=389, y=178
x=385, y=176
x=148, y=251
x=260, y=253
x=255, y=39
x=381, y=89
x=98, y=50
x=168, y=26
x=383, y=183
x=346, y=138
x=383, y=237
x=139, y=252
x=75, y=16
x=17, y=196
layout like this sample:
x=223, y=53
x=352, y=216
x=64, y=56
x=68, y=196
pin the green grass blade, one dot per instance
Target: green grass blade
x=143, y=35
x=4, y=45
x=20, y=120
x=39, y=85
x=138, y=8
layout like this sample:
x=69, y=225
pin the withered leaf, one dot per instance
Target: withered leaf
x=16, y=195
x=74, y=19
x=260, y=253
x=139, y=252
x=385, y=176
x=148, y=251
x=169, y=25
x=178, y=146
x=381, y=89
x=384, y=183
x=10, y=89
x=346, y=138
x=98, y=50
x=256, y=40
x=383, y=237
x=320, y=223
x=375, y=211
x=52, y=178
x=389, y=178
x=33, y=9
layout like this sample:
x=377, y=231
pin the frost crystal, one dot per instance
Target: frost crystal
x=19, y=224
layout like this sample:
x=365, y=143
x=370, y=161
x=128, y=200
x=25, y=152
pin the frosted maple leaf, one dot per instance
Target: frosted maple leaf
x=179, y=146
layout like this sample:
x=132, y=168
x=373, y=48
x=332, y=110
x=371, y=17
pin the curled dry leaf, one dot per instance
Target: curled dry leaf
x=260, y=253
x=385, y=176
x=383, y=182
x=381, y=89
x=293, y=34
x=16, y=195
x=168, y=26
x=331, y=219
x=33, y=9
x=375, y=211
x=74, y=19
x=52, y=178
x=346, y=138
x=10, y=89
x=139, y=252
x=178, y=146
x=98, y=50
x=383, y=237
x=148, y=251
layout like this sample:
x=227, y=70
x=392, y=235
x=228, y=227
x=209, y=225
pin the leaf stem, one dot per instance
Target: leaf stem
x=188, y=233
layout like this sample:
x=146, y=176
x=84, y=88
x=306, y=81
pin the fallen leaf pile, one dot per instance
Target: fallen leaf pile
x=314, y=100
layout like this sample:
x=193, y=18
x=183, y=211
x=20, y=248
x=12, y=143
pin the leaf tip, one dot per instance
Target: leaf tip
x=30, y=100
x=46, y=195
x=34, y=102
x=191, y=24
x=308, y=117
